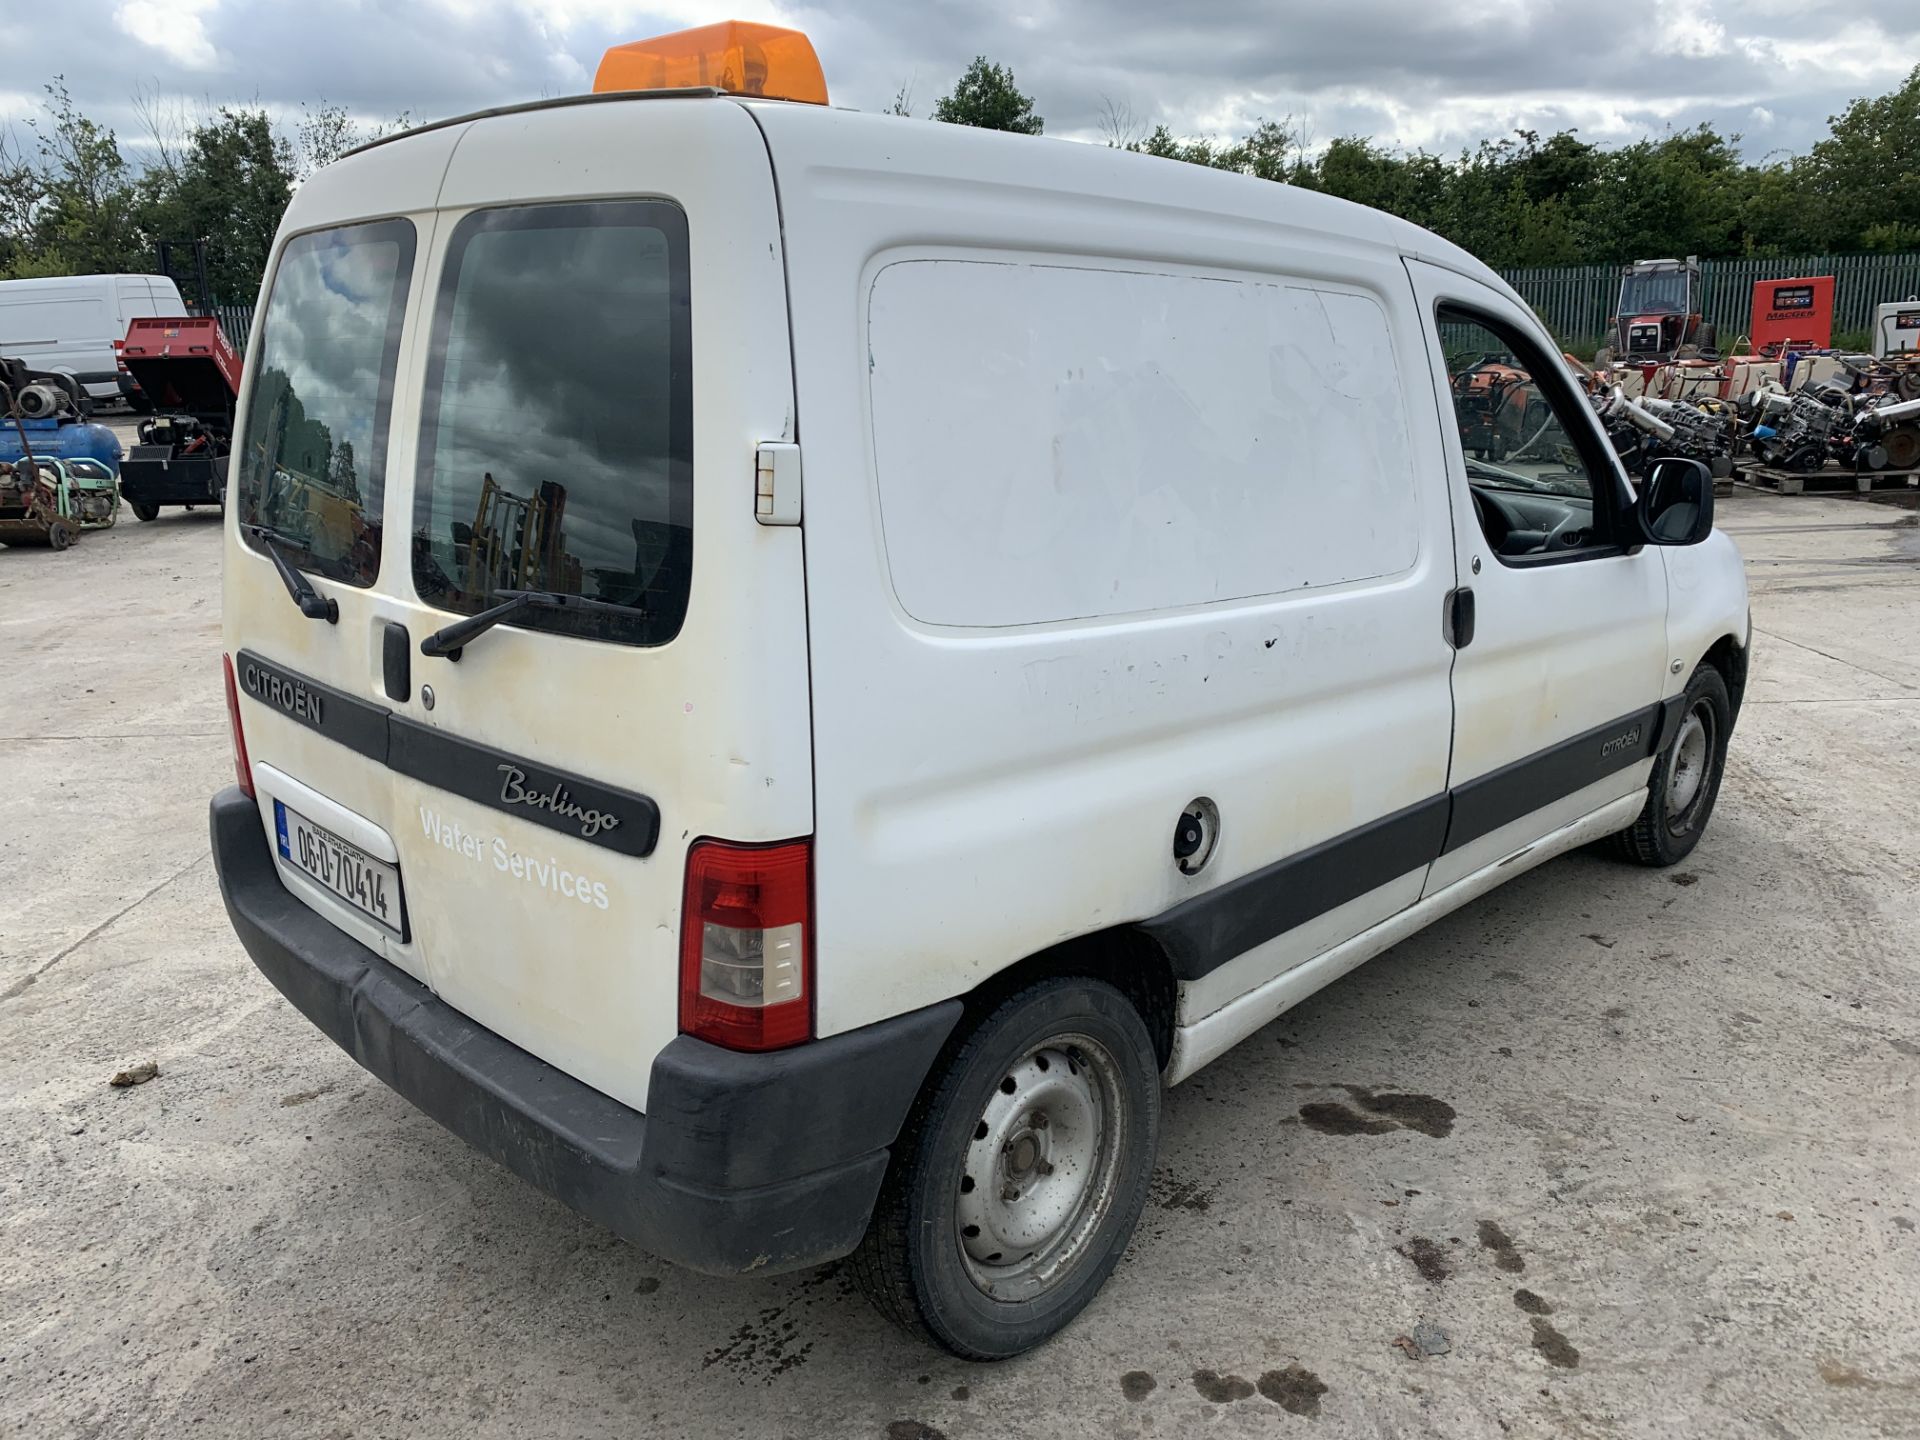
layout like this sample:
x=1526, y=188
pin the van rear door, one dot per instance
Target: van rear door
x=533, y=791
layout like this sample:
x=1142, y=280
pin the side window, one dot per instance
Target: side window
x=556, y=448
x=312, y=462
x=1156, y=440
x=1534, y=477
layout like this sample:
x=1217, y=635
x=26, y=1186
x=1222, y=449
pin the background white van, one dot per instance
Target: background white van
x=68, y=323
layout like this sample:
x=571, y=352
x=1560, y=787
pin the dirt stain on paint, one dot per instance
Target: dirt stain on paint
x=1426, y=1257
x=913, y=1430
x=1296, y=1390
x=1555, y=1347
x=1531, y=1303
x=1221, y=1389
x=1136, y=1385
x=1377, y=1112
x=1505, y=1255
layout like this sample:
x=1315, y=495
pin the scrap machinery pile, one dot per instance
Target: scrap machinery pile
x=1794, y=412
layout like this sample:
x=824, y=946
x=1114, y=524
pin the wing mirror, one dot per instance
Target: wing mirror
x=1675, y=503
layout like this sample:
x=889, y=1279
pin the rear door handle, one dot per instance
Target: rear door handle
x=396, y=661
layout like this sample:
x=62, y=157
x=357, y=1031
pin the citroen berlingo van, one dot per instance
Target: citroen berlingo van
x=790, y=669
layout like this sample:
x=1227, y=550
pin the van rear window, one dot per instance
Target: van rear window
x=313, y=458
x=556, y=441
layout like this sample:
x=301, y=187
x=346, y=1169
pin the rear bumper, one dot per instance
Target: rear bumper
x=743, y=1162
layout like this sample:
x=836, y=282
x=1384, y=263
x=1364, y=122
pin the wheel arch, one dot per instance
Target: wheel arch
x=1729, y=657
x=1123, y=956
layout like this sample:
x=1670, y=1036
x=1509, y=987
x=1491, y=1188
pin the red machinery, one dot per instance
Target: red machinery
x=1658, y=316
x=191, y=373
x=1796, y=312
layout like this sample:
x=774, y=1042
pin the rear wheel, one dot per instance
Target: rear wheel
x=1686, y=778
x=143, y=511
x=1021, y=1172
x=59, y=536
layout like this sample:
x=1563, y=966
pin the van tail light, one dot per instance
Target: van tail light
x=242, y=770
x=746, y=944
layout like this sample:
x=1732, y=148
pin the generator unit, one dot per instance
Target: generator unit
x=191, y=372
x=1896, y=327
x=1793, y=312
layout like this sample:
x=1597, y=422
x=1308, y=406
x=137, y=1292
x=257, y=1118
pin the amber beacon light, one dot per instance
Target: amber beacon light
x=736, y=56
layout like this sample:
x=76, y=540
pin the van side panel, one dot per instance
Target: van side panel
x=1000, y=771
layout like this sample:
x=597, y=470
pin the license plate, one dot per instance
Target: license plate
x=371, y=886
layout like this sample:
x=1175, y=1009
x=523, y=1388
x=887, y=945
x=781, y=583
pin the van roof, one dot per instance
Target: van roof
x=964, y=154
x=54, y=281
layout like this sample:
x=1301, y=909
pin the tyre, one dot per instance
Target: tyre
x=1685, y=780
x=1021, y=1171
x=143, y=511
x=59, y=536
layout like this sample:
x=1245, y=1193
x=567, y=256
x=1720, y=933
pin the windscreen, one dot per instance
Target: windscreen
x=312, y=461
x=1659, y=294
x=556, y=445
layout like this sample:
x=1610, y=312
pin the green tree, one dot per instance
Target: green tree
x=229, y=187
x=987, y=98
x=22, y=191
x=1865, y=176
x=328, y=131
x=76, y=206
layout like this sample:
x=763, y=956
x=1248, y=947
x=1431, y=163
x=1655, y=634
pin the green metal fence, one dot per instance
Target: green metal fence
x=235, y=322
x=1575, y=301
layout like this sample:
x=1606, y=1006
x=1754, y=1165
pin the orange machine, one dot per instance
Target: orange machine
x=1797, y=311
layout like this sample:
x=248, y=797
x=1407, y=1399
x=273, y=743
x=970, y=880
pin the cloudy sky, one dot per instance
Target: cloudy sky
x=1434, y=73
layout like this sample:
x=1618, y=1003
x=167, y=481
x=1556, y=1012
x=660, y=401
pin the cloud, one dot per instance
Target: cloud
x=177, y=30
x=1442, y=74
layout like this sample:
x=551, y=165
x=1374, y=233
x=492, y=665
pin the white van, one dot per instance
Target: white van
x=896, y=642
x=71, y=324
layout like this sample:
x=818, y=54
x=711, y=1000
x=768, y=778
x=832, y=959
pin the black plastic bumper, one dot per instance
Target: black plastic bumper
x=743, y=1162
x=189, y=480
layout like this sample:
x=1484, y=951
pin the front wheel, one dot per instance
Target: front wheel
x=143, y=511
x=59, y=536
x=1020, y=1174
x=1686, y=778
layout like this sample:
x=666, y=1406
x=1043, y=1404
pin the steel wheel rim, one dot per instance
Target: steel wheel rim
x=1041, y=1168
x=1692, y=755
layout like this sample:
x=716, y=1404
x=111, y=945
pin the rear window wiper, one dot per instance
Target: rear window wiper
x=450, y=640
x=312, y=603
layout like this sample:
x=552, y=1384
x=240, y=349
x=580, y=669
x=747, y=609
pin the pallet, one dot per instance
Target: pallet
x=1795, y=482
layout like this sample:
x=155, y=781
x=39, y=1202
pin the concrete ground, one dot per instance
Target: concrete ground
x=1676, y=1195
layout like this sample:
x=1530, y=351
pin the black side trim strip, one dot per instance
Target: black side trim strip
x=345, y=719
x=1670, y=713
x=618, y=820
x=1202, y=934
x=1501, y=796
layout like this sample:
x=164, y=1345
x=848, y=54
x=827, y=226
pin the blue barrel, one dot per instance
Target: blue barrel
x=57, y=440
